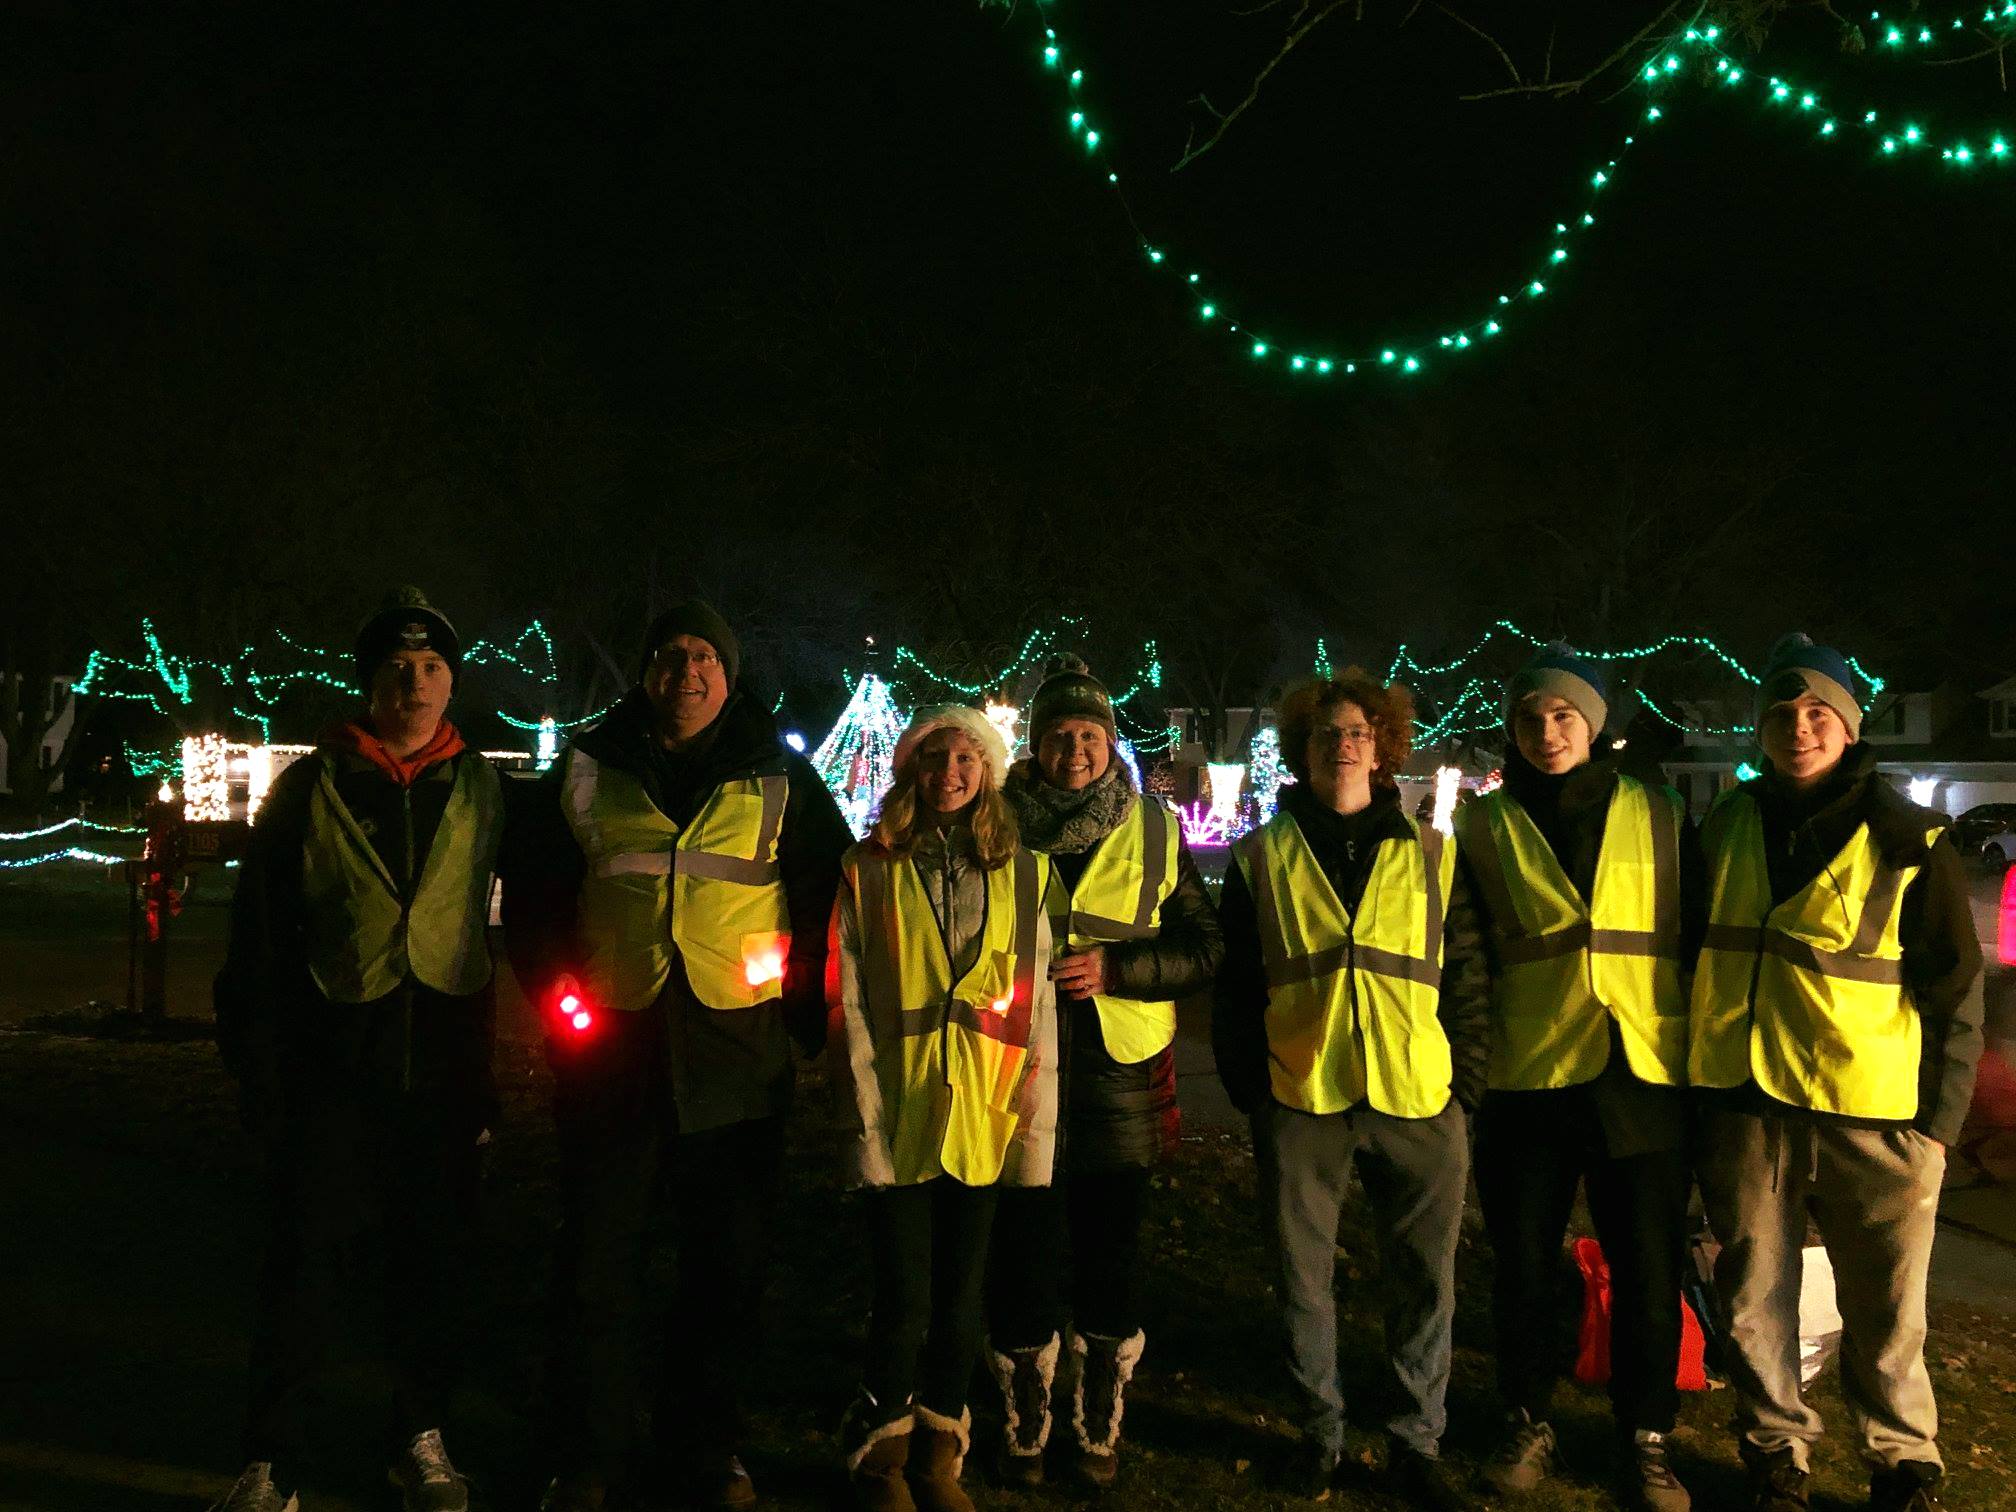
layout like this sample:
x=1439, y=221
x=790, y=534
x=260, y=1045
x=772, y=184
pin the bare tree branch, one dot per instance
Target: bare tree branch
x=1570, y=86
x=1297, y=32
x=1478, y=31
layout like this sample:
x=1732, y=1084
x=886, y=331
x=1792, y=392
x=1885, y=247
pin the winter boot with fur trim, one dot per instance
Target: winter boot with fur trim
x=1099, y=1397
x=937, y=1454
x=878, y=1450
x=1025, y=1377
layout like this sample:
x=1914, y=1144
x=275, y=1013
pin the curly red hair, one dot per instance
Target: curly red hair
x=1388, y=708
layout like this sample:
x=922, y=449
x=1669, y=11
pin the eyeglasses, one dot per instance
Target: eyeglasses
x=1352, y=735
x=672, y=657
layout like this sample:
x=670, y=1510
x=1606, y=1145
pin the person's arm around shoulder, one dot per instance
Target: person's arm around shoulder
x=1464, y=1005
x=1186, y=952
x=815, y=837
x=1943, y=973
x=541, y=866
x=1239, y=998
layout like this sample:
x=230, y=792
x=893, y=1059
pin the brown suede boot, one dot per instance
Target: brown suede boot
x=937, y=1455
x=876, y=1459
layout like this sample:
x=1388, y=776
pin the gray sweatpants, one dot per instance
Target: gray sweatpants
x=1414, y=1171
x=1875, y=1195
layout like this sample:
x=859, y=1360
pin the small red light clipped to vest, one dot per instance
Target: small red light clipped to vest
x=1002, y=1004
x=763, y=957
x=576, y=1014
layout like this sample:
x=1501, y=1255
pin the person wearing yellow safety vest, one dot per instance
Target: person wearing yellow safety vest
x=1349, y=1023
x=666, y=893
x=1136, y=931
x=355, y=1008
x=1836, y=1023
x=943, y=1051
x=1589, y=884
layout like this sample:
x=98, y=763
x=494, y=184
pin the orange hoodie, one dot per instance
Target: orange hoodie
x=355, y=736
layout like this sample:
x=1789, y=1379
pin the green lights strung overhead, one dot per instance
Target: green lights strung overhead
x=1909, y=34
x=1477, y=700
x=1666, y=65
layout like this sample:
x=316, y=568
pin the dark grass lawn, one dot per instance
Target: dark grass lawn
x=129, y=1235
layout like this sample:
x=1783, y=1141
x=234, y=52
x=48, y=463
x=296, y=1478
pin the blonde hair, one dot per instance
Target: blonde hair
x=995, y=834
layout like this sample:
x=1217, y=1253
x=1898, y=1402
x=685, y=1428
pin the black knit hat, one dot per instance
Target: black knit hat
x=405, y=621
x=694, y=617
x=1069, y=691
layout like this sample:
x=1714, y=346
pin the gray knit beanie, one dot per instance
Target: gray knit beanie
x=1798, y=666
x=1558, y=669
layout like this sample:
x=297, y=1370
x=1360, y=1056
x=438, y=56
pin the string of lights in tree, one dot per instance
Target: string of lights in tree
x=1913, y=34
x=1901, y=137
x=1313, y=359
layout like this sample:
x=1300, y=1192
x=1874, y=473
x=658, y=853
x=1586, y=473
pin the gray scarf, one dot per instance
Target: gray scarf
x=1061, y=823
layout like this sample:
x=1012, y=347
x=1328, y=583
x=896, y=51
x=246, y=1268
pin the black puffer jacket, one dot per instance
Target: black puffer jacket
x=725, y=1066
x=1803, y=832
x=1118, y=1116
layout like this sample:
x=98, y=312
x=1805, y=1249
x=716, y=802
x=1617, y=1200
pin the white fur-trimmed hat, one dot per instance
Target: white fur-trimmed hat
x=968, y=722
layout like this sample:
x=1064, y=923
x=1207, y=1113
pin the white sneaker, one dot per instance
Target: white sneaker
x=255, y=1492
x=428, y=1482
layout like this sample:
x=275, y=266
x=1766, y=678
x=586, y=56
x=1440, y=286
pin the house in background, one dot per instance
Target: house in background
x=52, y=738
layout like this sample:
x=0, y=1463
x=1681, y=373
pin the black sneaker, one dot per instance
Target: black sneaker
x=1777, y=1484
x=1312, y=1471
x=1649, y=1483
x=1424, y=1480
x=1911, y=1486
x=1524, y=1458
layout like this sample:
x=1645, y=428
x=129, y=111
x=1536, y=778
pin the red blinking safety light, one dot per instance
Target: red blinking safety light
x=764, y=968
x=1001, y=1005
x=575, y=1011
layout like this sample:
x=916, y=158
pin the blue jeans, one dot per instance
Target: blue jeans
x=1414, y=1172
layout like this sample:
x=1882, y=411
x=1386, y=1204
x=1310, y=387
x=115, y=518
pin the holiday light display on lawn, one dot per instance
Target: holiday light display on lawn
x=857, y=759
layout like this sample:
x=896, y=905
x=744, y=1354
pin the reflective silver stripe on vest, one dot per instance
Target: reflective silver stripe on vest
x=1285, y=970
x=1748, y=940
x=1518, y=948
x=1154, y=866
x=711, y=864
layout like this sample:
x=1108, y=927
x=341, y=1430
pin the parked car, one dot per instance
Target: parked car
x=1972, y=830
x=1998, y=851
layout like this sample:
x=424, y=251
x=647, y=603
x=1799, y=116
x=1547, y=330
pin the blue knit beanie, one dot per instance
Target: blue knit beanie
x=1798, y=666
x=1559, y=669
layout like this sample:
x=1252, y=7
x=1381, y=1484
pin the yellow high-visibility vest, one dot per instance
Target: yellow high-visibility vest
x=1119, y=896
x=950, y=1056
x=1808, y=996
x=1569, y=967
x=711, y=892
x=364, y=939
x=1352, y=997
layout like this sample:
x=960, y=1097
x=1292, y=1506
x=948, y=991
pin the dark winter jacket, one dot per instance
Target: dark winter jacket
x=1344, y=846
x=1123, y=1115
x=1803, y=832
x=725, y=1065
x=1570, y=811
x=278, y=1033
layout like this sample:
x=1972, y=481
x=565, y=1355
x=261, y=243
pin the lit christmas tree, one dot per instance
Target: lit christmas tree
x=857, y=759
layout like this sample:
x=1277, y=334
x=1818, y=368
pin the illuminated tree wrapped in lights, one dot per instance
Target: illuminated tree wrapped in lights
x=1267, y=773
x=857, y=759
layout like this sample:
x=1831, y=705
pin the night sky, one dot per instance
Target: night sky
x=817, y=309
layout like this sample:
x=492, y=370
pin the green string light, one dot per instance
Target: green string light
x=1913, y=35
x=1665, y=65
